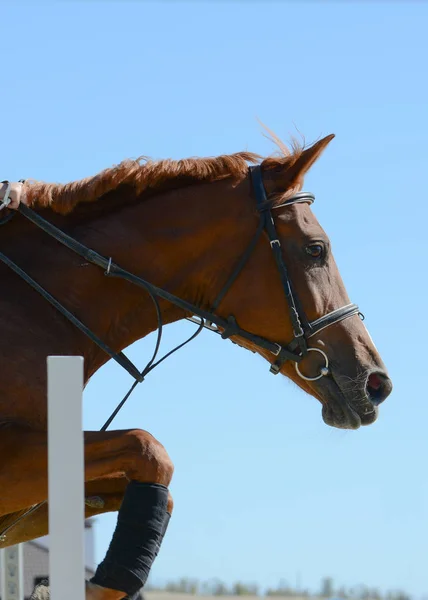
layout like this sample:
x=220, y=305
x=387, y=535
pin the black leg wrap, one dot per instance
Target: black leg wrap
x=141, y=525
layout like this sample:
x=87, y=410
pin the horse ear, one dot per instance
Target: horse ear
x=308, y=157
x=290, y=174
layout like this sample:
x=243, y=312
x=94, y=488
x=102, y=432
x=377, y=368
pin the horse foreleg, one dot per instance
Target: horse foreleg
x=101, y=496
x=135, y=455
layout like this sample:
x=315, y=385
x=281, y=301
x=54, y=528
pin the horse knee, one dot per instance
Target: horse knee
x=150, y=462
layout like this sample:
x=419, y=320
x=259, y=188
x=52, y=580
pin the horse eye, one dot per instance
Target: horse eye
x=315, y=250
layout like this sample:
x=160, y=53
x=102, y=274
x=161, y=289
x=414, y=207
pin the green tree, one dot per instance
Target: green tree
x=283, y=589
x=184, y=585
x=242, y=589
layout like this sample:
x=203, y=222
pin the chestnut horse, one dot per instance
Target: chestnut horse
x=235, y=245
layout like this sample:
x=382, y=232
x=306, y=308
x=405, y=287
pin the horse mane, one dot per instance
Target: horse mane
x=148, y=177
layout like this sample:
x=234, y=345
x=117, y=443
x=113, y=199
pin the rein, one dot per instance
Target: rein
x=295, y=351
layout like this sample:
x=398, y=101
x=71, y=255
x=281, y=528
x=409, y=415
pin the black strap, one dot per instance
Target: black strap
x=66, y=240
x=111, y=269
x=269, y=225
x=119, y=357
x=240, y=265
x=147, y=370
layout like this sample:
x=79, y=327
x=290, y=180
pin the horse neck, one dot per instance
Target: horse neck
x=178, y=241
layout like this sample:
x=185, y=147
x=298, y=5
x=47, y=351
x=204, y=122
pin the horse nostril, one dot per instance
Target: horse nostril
x=378, y=387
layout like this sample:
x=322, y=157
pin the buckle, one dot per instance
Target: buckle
x=273, y=242
x=207, y=324
x=276, y=352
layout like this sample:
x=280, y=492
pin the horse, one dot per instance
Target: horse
x=228, y=241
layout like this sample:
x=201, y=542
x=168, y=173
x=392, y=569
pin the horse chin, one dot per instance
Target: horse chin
x=341, y=411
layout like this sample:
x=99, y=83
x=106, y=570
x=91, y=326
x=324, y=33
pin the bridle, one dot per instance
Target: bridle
x=228, y=327
x=303, y=329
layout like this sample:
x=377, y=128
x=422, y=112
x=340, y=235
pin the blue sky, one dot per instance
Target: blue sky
x=263, y=489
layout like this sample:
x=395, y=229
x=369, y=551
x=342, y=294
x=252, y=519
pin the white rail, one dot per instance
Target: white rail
x=66, y=478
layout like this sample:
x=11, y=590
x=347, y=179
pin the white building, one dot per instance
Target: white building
x=36, y=559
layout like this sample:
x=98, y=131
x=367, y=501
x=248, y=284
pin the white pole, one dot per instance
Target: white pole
x=11, y=568
x=66, y=478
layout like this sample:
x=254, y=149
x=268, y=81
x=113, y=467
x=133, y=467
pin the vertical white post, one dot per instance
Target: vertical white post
x=66, y=478
x=11, y=568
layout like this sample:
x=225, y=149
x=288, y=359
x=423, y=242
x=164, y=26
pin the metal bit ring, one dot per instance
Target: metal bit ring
x=324, y=370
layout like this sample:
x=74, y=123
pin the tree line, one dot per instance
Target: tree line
x=328, y=589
